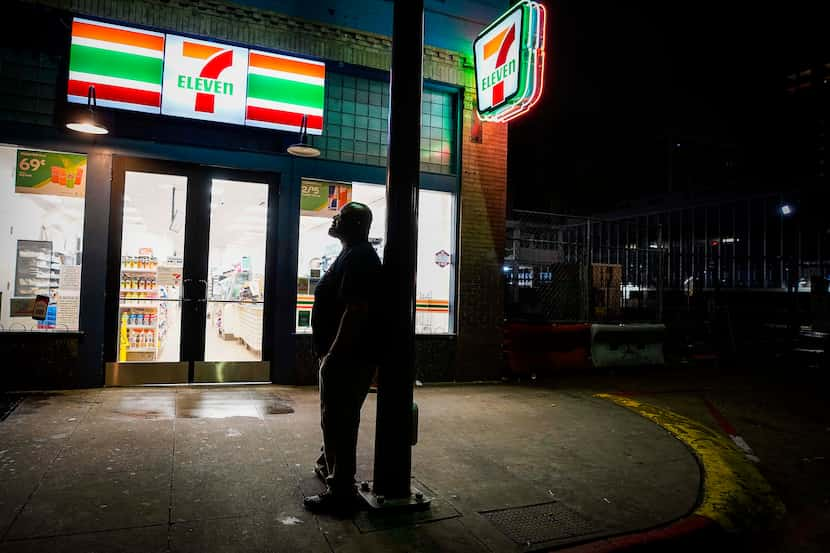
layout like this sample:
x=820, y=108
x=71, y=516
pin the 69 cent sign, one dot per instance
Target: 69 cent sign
x=509, y=62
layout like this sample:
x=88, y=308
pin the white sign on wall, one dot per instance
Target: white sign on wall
x=204, y=80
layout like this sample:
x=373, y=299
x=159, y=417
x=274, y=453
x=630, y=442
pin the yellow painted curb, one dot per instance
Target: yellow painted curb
x=735, y=494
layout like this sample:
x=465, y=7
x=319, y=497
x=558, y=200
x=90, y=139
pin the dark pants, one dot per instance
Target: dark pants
x=343, y=389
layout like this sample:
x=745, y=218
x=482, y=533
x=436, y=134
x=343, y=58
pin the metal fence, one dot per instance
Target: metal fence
x=625, y=267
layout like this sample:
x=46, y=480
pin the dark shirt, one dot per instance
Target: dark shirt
x=355, y=276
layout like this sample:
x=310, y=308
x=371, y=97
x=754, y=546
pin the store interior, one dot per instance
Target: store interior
x=40, y=254
x=436, y=224
x=150, y=322
x=151, y=294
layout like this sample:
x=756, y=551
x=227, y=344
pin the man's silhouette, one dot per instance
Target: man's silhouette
x=344, y=303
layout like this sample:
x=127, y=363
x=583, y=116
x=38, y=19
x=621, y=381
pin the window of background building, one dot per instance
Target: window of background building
x=357, y=118
x=435, y=300
x=40, y=252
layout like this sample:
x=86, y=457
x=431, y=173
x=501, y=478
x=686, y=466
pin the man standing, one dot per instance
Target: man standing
x=344, y=303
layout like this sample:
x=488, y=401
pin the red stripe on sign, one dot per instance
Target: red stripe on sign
x=205, y=102
x=115, y=93
x=498, y=90
x=256, y=113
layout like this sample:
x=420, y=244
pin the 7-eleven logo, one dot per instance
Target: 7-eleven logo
x=500, y=47
x=497, y=62
x=204, y=80
x=215, y=60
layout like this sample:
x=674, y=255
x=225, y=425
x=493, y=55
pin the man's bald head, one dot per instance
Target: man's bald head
x=352, y=223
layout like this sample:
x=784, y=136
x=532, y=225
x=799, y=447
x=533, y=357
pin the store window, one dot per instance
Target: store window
x=42, y=215
x=357, y=120
x=435, y=300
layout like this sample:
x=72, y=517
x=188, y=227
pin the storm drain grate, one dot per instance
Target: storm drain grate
x=540, y=523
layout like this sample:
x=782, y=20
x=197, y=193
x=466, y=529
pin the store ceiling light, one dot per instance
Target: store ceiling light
x=87, y=124
x=302, y=148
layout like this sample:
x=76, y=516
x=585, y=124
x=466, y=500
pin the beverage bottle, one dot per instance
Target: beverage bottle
x=333, y=197
x=343, y=193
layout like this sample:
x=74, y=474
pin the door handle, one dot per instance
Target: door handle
x=204, y=284
x=184, y=297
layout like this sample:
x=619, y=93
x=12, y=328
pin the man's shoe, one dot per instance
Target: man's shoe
x=327, y=502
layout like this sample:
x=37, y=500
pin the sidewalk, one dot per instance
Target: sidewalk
x=207, y=469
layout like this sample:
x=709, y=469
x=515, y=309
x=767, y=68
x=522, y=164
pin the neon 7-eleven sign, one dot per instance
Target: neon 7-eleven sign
x=509, y=62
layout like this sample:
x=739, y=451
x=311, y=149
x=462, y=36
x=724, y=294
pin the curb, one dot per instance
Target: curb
x=687, y=534
x=735, y=496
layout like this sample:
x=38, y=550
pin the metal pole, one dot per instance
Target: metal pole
x=764, y=208
x=659, y=272
x=706, y=244
x=748, y=278
x=393, y=449
x=734, y=243
x=782, y=281
x=720, y=244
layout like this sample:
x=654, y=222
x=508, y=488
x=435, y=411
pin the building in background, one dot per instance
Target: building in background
x=808, y=114
x=185, y=245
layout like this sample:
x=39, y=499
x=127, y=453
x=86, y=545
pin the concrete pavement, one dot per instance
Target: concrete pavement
x=208, y=469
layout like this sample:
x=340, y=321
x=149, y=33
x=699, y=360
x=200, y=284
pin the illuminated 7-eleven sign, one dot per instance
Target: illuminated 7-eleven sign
x=204, y=80
x=509, y=62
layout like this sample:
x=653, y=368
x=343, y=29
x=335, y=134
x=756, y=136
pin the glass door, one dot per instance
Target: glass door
x=186, y=297
x=149, y=289
x=235, y=284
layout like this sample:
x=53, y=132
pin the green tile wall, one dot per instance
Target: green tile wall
x=356, y=119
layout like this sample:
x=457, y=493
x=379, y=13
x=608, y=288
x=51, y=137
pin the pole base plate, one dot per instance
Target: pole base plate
x=417, y=500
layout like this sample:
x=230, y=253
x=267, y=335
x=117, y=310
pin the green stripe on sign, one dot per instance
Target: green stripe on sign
x=108, y=63
x=283, y=90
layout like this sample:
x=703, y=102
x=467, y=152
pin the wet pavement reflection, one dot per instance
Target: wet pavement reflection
x=194, y=403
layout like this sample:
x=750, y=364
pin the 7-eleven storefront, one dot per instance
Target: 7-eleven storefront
x=189, y=246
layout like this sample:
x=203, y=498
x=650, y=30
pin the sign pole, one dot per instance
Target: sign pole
x=393, y=439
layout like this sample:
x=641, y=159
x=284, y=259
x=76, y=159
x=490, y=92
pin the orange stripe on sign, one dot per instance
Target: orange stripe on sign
x=200, y=51
x=288, y=66
x=493, y=45
x=119, y=36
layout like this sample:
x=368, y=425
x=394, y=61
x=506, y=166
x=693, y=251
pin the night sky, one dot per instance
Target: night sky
x=626, y=82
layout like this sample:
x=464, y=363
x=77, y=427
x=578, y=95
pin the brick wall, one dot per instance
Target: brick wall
x=435, y=359
x=481, y=297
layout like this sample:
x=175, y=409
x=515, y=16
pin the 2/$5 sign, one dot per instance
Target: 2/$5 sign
x=509, y=62
x=152, y=72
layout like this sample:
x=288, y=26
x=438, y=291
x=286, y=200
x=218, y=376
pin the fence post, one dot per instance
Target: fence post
x=660, y=273
x=585, y=306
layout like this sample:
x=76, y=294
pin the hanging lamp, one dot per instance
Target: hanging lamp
x=87, y=124
x=302, y=148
